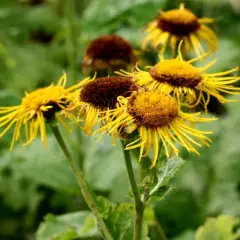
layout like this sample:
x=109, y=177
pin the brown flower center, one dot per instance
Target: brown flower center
x=179, y=22
x=110, y=47
x=103, y=92
x=152, y=109
x=177, y=73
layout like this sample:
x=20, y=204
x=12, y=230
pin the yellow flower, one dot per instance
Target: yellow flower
x=157, y=117
x=181, y=24
x=107, y=54
x=184, y=79
x=101, y=95
x=36, y=107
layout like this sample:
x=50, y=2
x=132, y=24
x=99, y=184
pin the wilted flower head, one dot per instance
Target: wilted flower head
x=108, y=53
x=185, y=80
x=36, y=107
x=180, y=24
x=101, y=95
x=157, y=118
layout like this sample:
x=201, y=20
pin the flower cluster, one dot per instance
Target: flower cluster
x=145, y=107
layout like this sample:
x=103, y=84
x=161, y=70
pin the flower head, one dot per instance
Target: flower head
x=185, y=80
x=157, y=117
x=180, y=24
x=108, y=53
x=101, y=95
x=36, y=107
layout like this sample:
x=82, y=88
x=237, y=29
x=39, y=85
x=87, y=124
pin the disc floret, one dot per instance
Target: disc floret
x=177, y=73
x=152, y=110
x=103, y=92
x=179, y=22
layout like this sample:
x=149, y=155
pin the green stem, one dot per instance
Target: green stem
x=138, y=203
x=70, y=39
x=82, y=183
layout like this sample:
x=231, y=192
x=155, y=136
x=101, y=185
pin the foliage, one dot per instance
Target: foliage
x=119, y=218
x=223, y=227
x=69, y=226
x=165, y=174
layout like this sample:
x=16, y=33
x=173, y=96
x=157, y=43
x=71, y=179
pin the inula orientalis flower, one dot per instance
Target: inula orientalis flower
x=108, y=53
x=36, y=107
x=180, y=24
x=101, y=95
x=157, y=117
x=184, y=79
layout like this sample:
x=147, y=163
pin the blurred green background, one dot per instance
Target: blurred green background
x=37, y=181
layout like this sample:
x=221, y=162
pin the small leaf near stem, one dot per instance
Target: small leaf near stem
x=165, y=173
x=138, y=203
x=81, y=182
x=149, y=176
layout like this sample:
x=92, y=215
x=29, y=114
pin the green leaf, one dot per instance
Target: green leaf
x=18, y=193
x=49, y=23
x=114, y=9
x=222, y=227
x=8, y=98
x=119, y=218
x=118, y=13
x=103, y=162
x=164, y=175
x=226, y=57
x=224, y=196
x=187, y=235
x=179, y=211
x=105, y=169
x=68, y=226
x=46, y=166
x=43, y=69
x=214, y=175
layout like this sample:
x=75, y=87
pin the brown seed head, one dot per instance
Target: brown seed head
x=109, y=52
x=103, y=92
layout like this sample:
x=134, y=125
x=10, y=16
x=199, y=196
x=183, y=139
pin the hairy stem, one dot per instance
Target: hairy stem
x=138, y=203
x=82, y=183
